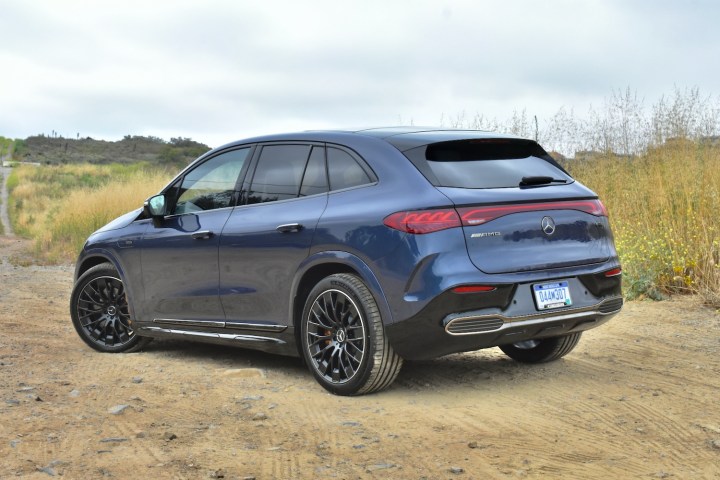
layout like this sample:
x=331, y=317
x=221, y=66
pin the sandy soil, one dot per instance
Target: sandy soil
x=638, y=398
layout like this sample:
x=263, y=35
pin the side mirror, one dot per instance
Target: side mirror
x=155, y=207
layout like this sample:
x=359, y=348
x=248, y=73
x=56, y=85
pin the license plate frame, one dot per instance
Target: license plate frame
x=551, y=295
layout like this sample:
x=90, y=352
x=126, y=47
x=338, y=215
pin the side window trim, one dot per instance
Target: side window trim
x=323, y=149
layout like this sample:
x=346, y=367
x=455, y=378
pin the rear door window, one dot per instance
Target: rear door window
x=491, y=163
x=279, y=173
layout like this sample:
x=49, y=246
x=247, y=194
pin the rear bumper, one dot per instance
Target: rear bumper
x=423, y=338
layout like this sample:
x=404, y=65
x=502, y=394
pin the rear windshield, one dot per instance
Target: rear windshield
x=484, y=163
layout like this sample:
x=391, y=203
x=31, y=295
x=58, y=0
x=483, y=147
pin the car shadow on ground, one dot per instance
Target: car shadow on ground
x=222, y=356
x=485, y=368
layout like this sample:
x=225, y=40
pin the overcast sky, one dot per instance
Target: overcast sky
x=218, y=71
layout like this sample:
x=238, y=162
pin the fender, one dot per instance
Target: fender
x=349, y=260
x=108, y=257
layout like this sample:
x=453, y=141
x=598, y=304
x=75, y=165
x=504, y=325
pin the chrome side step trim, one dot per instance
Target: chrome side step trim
x=500, y=321
x=211, y=335
x=189, y=323
x=262, y=327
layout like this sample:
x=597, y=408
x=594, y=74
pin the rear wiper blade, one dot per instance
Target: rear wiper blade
x=539, y=180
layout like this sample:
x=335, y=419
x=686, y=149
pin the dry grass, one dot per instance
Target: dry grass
x=60, y=206
x=663, y=207
x=664, y=211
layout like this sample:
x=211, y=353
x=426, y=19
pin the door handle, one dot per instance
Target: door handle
x=289, y=228
x=202, y=235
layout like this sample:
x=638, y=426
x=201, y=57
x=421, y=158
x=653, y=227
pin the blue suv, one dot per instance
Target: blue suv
x=356, y=250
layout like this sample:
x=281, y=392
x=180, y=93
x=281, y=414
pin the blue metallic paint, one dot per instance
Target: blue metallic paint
x=257, y=260
x=179, y=272
x=337, y=260
x=248, y=271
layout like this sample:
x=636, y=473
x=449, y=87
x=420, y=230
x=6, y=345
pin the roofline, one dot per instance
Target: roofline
x=401, y=137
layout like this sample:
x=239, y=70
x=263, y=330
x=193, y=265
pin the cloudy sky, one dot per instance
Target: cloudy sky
x=217, y=71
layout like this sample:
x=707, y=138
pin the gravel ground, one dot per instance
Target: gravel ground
x=638, y=398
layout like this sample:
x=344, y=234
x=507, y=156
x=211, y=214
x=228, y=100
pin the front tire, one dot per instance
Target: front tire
x=343, y=338
x=100, y=313
x=542, y=350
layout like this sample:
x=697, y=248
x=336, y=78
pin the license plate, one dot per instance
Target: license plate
x=552, y=295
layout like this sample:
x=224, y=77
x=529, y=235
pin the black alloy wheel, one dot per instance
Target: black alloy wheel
x=100, y=312
x=336, y=336
x=343, y=339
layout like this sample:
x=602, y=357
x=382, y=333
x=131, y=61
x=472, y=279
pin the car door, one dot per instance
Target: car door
x=179, y=257
x=267, y=238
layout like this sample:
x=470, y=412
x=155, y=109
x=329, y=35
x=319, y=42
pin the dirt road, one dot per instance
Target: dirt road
x=4, y=219
x=637, y=399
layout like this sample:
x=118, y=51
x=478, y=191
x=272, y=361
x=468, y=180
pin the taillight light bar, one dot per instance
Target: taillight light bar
x=478, y=215
x=423, y=221
x=419, y=222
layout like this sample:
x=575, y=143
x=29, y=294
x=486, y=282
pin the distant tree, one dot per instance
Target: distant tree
x=182, y=150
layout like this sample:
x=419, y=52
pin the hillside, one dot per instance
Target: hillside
x=131, y=149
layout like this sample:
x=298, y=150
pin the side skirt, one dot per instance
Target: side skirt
x=271, y=338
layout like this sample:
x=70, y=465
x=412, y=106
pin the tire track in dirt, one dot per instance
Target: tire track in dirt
x=609, y=421
x=666, y=432
x=632, y=401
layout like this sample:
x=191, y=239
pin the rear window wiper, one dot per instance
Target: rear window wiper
x=539, y=180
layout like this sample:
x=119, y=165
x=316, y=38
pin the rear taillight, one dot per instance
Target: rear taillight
x=478, y=215
x=423, y=221
x=614, y=272
x=427, y=221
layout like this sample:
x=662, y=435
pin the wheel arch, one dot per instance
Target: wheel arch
x=322, y=265
x=97, y=257
x=92, y=261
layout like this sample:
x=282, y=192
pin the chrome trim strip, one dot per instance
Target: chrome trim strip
x=508, y=322
x=192, y=323
x=263, y=327
x=221, y=336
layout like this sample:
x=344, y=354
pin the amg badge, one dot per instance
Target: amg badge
x=485, y=234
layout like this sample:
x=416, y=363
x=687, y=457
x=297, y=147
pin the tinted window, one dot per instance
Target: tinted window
x=212, y=184
x=344, y=171
x=315, y=178
x=278, y=173
x=484, y=163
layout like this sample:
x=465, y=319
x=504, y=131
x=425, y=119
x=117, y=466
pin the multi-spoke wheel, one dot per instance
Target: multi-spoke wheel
x=343, y=339
x=99, y=311
x=336, y=336
x=543, y=349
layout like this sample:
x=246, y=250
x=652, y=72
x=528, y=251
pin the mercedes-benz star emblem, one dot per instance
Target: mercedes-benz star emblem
x=548, y=226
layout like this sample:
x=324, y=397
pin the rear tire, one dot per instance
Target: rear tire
x=542, y=350
x=343, y=339
x=100, y=312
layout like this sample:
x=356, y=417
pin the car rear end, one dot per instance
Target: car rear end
x=519, y=252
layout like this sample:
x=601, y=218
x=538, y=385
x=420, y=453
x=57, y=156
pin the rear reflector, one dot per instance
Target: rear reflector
x=614, y=272
x=474, y=289
x=423, y=221
x=478, y=215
